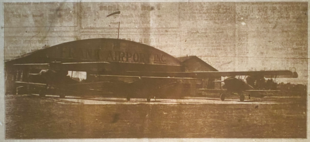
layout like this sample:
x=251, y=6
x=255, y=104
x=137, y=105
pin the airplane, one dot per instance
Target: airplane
x=255, y=86
x=53, y=76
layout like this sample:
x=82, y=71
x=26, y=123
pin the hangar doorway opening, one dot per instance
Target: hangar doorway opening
x=77, y=75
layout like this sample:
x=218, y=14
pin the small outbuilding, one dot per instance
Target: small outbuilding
x=192, y=64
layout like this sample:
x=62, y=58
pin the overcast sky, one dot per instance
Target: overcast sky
x=228, y=36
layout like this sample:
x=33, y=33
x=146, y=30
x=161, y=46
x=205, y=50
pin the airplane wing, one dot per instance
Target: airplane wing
x=250, y=93
x=98, y=67
x=267, y=74
x=31, y=83
x=32, y=65
x=76, y=66
x=224, y=90
x=207, y=74
x=108, y=66
x=212, y=90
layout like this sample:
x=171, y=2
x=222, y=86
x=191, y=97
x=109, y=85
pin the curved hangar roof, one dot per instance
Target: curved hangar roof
x=102, y=50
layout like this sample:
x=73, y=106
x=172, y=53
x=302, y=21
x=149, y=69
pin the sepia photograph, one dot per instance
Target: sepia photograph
x=132, y=70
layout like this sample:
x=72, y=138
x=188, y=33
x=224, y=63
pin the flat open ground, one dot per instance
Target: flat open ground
x=30, y=116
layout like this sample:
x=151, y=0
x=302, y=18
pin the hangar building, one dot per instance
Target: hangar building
x=116, y=56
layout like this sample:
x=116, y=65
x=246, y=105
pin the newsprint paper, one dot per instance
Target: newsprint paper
x=154, y=70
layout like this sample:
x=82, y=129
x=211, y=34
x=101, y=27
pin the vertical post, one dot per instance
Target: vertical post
x=14, y=80
x=119, y=24
x=27, y=79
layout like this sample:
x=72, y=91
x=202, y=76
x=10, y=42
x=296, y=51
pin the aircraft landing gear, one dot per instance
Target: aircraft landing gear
x=222, y=96
x=241, y=97
x=42, y=93
x=62, y=96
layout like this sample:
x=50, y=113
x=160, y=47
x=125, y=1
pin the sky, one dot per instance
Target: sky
x=228, y=36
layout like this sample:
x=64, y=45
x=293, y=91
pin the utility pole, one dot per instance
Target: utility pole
x=119, y=22
x=119, y=25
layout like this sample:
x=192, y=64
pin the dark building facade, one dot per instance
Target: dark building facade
x=104, y=56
